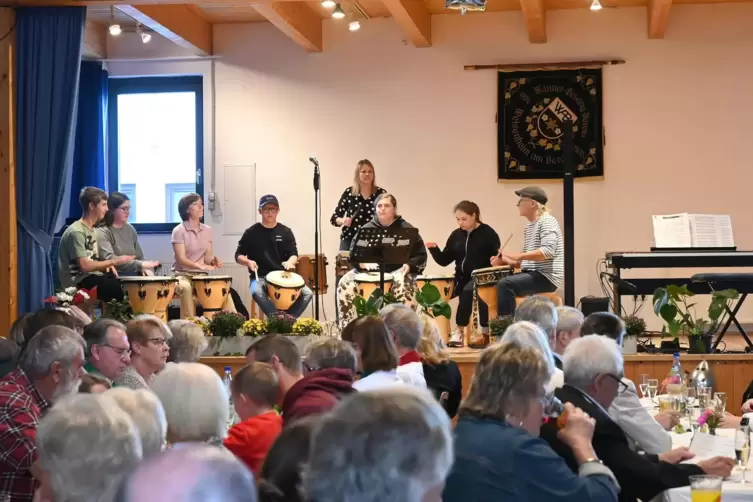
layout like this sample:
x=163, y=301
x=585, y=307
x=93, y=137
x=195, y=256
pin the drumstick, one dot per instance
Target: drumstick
x=499, y=255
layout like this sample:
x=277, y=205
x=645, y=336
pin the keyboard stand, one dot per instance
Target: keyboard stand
x=711, y=279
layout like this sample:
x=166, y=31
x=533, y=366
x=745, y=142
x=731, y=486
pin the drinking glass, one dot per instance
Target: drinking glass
x=705, y=488
x=720, y=399
x=690, y=402
x=653, y=386
x=742, y=449
x=643, y=384
x=665, y=402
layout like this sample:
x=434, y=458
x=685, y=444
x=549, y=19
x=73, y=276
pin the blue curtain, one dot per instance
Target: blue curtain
x=89, y=151
x=48, y=62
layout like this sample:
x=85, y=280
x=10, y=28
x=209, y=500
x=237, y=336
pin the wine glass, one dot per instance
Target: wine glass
x=653, y=387
x=742, y=449
x=643, y=384
x=720, y=398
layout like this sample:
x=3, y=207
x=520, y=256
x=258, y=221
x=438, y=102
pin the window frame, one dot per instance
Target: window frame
x=149, y=85
x=131, y=193
x=170, y=189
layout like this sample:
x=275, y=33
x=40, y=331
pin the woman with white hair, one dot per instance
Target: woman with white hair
x=187, y=343
x=148, y=337
x=528, y=334
x=146, y=411
x=498, y=454
x=86, y=445
x=195, y=401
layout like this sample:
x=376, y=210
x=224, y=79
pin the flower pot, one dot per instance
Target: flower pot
x=237, y=345
x=630, y=345
x=700, y=344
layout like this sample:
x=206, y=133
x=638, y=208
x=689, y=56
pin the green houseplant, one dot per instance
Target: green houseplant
x=374, y=303
x=431, y=302
x=671, y=303
x=226, y=324
x=498, y=326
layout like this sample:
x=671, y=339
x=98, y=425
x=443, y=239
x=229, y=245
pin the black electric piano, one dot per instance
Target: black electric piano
x=690, y=258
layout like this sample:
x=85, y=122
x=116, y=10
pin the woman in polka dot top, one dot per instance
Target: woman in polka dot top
x=356, y=206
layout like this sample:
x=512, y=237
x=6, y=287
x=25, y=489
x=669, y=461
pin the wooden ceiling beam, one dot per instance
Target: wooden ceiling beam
x=297, y=20
x=658, y=17
x=534, y=14
x=414, y=18
x=178, y=23
x=95, y=41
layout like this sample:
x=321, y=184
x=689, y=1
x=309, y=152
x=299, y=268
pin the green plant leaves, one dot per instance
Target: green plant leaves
x=671, y=304
x=431, y=302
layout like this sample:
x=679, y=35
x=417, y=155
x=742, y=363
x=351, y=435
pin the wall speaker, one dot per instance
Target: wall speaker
x=591, y=304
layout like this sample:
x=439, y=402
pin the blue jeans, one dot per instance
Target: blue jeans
x=259, y=294
x=525, y=283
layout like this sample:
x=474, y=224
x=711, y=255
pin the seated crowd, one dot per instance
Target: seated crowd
x=101, y=412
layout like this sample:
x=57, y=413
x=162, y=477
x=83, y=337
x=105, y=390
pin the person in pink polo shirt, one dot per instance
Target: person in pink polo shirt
x=192, y=246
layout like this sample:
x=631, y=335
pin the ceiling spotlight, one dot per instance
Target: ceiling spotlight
x=465, y=5
x=115, y=30
x=145, y=37
x=328, y=4
x=354, y=26
x=338, y=13
x=595, y=5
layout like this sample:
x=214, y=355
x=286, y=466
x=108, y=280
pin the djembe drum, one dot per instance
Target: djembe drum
x=446, y=286
x=305, y=268
x=149, y=294
x=368, y=282
x=211, y=291
x=284, y=288
x=485, y=281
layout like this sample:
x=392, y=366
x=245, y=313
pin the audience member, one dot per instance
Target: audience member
x=569, y=321
x=91, y=383
x=8, y=356
x=528, y=334
x=255, y=389
x=642, y=430
x=195, y=401
x=386, y=445
x=187, y=343
x=280, y=476
x=404, y=326
x=147, y=413
x=377, y=355
x=542, y=311
x=18, y=328
x=48, y=317
x=593, y=377
x=107, y=348
x=147, y=336
x=498, y=454
x=86, y=444
x=301, y=395
x=330, y=353
x=191, y=473
x=441, y=373
x=48, y=369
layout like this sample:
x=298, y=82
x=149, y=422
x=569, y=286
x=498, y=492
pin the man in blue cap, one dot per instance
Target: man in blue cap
x=268, y=246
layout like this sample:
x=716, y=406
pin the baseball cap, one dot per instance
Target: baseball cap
x=268, y=199
x=533, y=193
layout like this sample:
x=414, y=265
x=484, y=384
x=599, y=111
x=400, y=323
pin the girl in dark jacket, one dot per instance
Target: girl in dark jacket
x=471, y=246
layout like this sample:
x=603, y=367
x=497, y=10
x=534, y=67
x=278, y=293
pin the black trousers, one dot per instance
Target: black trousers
x=527, y=282
x=108, y=287
x=464, y=291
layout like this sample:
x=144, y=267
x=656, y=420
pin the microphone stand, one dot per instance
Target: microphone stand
x=316, y=239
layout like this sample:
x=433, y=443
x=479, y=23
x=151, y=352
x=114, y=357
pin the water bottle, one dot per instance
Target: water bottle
x=228, y=381
x=675, y=380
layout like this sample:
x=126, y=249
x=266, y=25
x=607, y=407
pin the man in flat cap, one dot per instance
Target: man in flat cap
x=541, y=264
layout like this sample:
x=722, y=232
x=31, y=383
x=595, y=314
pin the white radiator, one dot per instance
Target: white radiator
x=239, y=273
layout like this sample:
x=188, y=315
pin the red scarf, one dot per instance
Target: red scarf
x=410, y=357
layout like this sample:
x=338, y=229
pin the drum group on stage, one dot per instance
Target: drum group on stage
x=102, y=250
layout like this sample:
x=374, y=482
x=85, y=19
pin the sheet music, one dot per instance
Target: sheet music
x=706, y=446
x=672, y=231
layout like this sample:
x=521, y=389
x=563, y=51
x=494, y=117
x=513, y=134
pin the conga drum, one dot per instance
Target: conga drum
x=368, y=282
x=149, y=294
x=485, y=280
x=284, y=288
x=305, y=268
x=446, y=286
x=211, y=291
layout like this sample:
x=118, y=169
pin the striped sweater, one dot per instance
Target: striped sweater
x=545, y=234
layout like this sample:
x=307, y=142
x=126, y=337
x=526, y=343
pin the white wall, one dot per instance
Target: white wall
x=676, y=118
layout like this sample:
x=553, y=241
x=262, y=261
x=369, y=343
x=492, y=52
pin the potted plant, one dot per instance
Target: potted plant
x=374, y=303
x=671, y=304
x=431, y=302
x=634, y=326
x=498, y=326
x=224, y=332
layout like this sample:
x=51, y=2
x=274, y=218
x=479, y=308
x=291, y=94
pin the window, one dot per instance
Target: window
x=156, y=146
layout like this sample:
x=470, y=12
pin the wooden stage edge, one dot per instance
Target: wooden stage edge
x=732, y=372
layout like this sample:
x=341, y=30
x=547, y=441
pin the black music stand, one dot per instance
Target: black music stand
x=381, y=246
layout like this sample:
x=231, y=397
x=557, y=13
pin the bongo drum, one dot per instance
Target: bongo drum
x=283, y=288
x=446, y=286
x=485, y=280
x=305, y=268
x=149, y=294
x=211, y=291
x=368, y=282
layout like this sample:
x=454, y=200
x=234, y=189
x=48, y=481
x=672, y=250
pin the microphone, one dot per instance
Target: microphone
x=313, y=159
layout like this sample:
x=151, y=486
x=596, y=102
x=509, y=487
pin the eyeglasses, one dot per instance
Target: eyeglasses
x=308, y=368
x=123, y=353
x=270, y=210
x=523, y=200
x=621, y=386
x=125, y=209
x=159, y=342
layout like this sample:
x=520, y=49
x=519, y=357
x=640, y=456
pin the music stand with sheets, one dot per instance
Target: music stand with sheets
x=383, y=245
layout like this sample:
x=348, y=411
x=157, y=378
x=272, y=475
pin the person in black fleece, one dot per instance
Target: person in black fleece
x=403, y=275
x=269, y=246
x=471, y=246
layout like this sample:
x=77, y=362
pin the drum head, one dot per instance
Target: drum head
x=284, y=279
x=148, y=278
x=208, y=278
x=490, y=269
x=428, y=278
x=372, y=277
